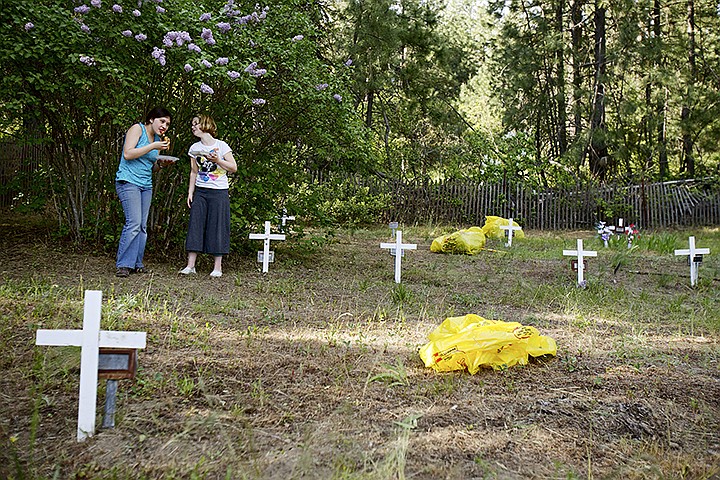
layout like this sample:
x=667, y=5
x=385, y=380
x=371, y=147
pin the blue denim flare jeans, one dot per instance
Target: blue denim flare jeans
x=135, y=201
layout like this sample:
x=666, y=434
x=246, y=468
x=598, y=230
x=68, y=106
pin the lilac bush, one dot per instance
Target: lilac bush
x=128, y=54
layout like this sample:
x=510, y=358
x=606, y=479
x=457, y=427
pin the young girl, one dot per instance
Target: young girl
x=133, y=183
x=209, y=229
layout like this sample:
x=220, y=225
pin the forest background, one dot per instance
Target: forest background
x=314, y=94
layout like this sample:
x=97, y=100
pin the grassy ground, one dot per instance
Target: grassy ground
x=311, y=370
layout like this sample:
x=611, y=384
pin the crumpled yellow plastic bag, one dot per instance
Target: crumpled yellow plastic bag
x=492, y=227
x=471, y=342
x=469, y=241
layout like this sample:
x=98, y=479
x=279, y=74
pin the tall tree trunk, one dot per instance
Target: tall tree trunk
x=561, y=102
x=598, y=151
x=661, y=102
x=688, y=159
x=369, y=111
x=576, y=45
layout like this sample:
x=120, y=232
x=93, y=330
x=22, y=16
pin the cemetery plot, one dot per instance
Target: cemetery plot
x=314, y=371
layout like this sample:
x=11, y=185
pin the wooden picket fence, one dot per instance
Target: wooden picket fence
x=463, y=202
x=18, y=166
x=656, y=205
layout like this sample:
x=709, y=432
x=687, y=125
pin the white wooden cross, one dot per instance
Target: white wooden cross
x=89, y=339
x=285, y=217
x=510, y=227
x=692, y=253
x=266, y=237
x=399, y=248
x=580, y=254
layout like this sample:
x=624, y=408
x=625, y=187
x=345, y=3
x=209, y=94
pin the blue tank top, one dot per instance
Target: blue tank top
x=139, y=170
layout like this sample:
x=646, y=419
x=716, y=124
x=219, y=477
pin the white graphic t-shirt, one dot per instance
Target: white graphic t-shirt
x=210, y=174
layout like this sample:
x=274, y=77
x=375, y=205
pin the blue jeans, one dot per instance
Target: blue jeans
x=135, y=201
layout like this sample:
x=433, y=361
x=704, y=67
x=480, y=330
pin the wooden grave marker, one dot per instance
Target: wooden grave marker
x=266, y=256
x=695, y=256
x=580, y=261
x=90, y=339
x=397, y=249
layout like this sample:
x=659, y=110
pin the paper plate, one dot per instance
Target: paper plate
x=168, y=158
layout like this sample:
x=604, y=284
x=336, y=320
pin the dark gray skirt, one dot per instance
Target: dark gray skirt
x=209, y=227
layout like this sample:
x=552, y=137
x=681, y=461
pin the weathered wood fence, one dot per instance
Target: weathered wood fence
x=18, y=166
x=463, y=202
x=656, y=205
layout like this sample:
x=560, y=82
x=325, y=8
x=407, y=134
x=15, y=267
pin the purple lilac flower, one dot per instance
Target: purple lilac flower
x=157, y=53
x=206, y=89
x=254, y=71
x=117, y=8
x=207, y=36
x=82, y=9
x=182, y=38
x=259, y=101
x=349, y=62
x=188, y=68
x=206, y=63
x=337, y=97
x=297, y=38
x=233, y=74
x=84, y=28
x=321, y=86
x=251, y=43
x=29, y=26
x=205, y=17
x=96, y=3
x=159, y=9
x=194, y=48
x=140, y=37
x=263, y=14
x=178, y=38
x=126, y=33
x=222, y=61
x=136, y=12
x=224, y=27
x=90, y=61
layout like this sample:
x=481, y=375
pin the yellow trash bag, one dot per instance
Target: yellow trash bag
x=469, y=241
x=471, y=341
x=492, y=227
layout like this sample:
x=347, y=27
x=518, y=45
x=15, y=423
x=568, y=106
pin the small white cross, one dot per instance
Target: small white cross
x=285, y=217
x=399, y=247
x=692, y=252
x=266, y=237
x=580, y=254
x=89, y=339
x=510, y=227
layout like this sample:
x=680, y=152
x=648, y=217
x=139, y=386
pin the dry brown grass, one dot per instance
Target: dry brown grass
x=311, y=371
